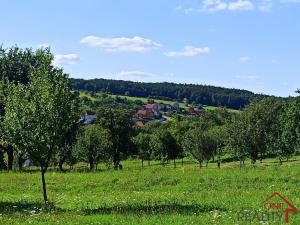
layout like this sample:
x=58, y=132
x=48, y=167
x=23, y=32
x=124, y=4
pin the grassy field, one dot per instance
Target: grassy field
x=153, y=195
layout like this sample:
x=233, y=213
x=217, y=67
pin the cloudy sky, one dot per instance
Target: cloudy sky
x=243, y=44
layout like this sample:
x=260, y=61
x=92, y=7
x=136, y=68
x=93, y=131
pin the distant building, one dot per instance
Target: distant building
x=153, y=107
x=194, y=111
x=138, y=124
x=148, y=111
x=176, y=106
x=88, y=117
x=144, y=114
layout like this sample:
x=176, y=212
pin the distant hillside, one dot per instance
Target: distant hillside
x=203, y=94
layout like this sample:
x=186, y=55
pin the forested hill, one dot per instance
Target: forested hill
x=204, y=94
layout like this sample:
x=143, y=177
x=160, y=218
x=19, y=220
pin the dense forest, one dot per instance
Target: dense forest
x=200, y=94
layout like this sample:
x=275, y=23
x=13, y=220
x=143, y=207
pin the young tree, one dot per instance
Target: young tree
x=117, y=121
x=142, y=142
x=15, y=66
x=164, y=146
x=66, y=150
x=94, y=145
x=219, y=135
x=178, y=128
x=38, y=116
x=253, y=129
x=287, y=138
x=200, y=144
x=237, y=138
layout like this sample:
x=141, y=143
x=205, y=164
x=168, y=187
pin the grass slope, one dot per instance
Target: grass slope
x=145, y=101
x=153, y=195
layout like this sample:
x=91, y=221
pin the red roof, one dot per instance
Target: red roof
x=144, y=113
x=150, y=106
x=139, y=124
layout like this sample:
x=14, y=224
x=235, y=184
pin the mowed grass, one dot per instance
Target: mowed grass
x=153, y=195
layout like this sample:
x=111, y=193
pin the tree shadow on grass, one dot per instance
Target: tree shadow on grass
x=22, y=206
x=155, y=209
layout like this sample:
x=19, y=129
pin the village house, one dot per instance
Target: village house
x=144, y=114
x=153, y=107
x=138, y=124
x=194, y=111
x=88, y=117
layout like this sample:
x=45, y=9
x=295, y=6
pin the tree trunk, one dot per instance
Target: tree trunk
x=182, y=162
x=10, y=157
x=116, y=160
x=61, y=163
x=206, y=163
x=149, y=162
x=142, y=163
x=20, y=162
x=2, y=163
x=200, y=164
x=174, y=163
x=60, y=166
x=44, y=187
x=91, y=166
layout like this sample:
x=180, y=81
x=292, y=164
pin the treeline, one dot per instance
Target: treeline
x=198, y=94
x=266, y=128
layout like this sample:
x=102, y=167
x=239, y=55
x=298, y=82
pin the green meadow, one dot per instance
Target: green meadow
x=186, y=194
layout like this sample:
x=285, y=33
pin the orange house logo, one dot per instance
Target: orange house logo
x=276, y=202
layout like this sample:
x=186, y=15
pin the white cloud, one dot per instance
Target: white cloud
x=219, y=5
x=142, y=76
x=188, y=51
x=44, y=45
x=244, y=59
x=134, y=75
x=137, y=75
x=265, y=5
x=121, y=44
x=214, y=5
x=240, y=5
x=248, y=77
x=178, y=8
x=68, y=59
x=290, y=1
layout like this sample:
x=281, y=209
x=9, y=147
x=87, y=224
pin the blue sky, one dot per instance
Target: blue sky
x=244, y=44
